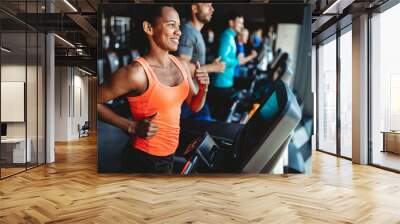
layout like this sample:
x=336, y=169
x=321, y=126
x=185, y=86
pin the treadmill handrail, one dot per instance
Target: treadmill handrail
x=290, y=101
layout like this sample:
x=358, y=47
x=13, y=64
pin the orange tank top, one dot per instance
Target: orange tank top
x=165, y=100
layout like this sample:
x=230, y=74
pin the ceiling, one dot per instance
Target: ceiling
x=328, y=16
x=76, y=20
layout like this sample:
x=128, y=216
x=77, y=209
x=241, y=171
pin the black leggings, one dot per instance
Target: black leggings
x=137, y=161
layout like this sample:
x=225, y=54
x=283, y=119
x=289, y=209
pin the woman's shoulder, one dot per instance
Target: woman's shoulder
x=135, y=72
x=135, y=68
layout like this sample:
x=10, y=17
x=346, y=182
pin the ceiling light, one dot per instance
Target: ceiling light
x=79, y=51
x=84, y=71
x=329, y=9
x=65, y=41
x=70, y=5
x=5, y=49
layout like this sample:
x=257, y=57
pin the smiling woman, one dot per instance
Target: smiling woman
x=166, y=30
x=147, y=101
x=155, y=86
x=169, y=23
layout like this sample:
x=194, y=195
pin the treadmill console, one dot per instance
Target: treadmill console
x=204, y=147
x=201, y=151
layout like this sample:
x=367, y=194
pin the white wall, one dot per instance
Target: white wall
x=314, y=90
x=360, y=90
x=33, y=127
x=71, y=94
x=61, y=103
x=287, y=38
x=13, y=73
x=81, y=97
x=10, y=73
x=50, y=95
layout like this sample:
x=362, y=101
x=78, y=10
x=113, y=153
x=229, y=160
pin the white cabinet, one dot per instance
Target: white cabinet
x=15, y=148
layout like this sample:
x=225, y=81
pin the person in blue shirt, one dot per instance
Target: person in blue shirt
x=256, y=38
x=221, y=90
x=242, y=38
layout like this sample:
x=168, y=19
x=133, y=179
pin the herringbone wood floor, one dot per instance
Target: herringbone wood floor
x=71, y=191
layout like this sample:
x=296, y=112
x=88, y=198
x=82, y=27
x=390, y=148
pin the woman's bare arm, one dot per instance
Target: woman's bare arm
x=128, y=79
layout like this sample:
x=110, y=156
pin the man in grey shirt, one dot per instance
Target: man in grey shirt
x=191, y=44
x=193, y=49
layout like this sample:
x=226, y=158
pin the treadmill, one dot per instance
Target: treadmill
x=257, y=89
x=255, y=147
